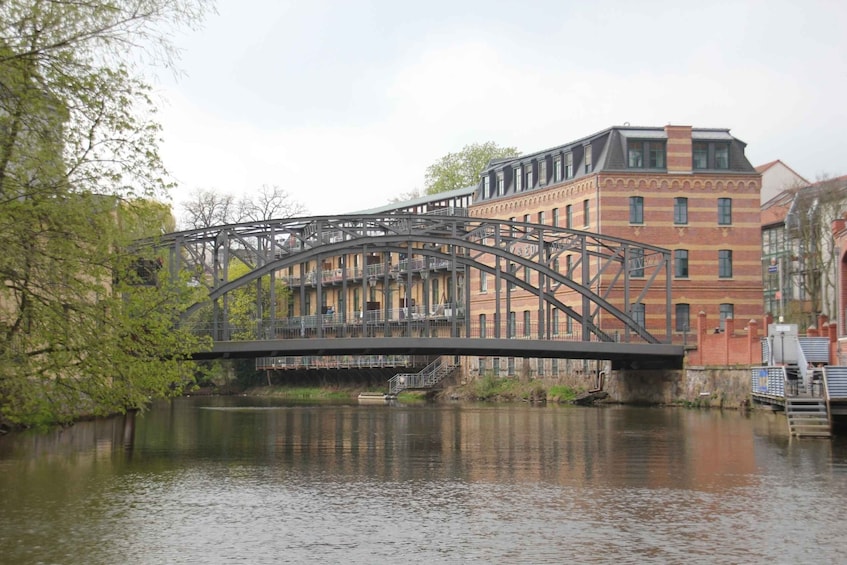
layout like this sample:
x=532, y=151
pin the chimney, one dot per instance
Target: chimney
x=679, y=148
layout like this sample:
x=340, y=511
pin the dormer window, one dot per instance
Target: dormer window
x=588, y=164
x=646, y=153
x=710, y=155
x=557, y=169
x=569, y=166
x=542, y=174
x=700, y=155
x=518, y=178
x=500, y=184
x=721, y=155
x=529, y=183
x=486, y=187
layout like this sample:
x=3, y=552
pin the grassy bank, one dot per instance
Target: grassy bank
x=488, y=388
x=498, y=389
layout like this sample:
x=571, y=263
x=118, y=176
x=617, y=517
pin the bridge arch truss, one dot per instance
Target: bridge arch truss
x=604, y=279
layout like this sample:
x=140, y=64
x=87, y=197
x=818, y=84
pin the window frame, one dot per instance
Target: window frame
x=724, y=263
x=638, y=311
x=723, y=148
x=636, y=258
x=724, y=211
x=636, y=210
x=517, y=174
x=699, y=149
x=726, y=311
x=680, y=211
x=680, y=264
x=682, y=317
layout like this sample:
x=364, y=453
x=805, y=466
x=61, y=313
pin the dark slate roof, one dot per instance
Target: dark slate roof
x=609, y=151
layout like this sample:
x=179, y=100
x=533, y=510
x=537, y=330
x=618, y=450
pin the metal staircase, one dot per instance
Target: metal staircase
x=428, y=377
x=807, y=416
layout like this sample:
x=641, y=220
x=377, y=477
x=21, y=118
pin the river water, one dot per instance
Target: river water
x=241, y=480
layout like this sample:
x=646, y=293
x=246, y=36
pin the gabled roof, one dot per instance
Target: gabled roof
x=767, y=166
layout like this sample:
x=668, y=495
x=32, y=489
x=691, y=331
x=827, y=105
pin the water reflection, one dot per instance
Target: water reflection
x=234, y=480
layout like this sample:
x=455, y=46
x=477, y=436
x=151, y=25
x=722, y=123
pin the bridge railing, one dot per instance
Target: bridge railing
x=310, y=362
x=401, y=322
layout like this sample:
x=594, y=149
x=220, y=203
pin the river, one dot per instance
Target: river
x=244, y=480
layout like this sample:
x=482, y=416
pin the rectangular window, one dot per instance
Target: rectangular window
x=638, y=314
x=518, y=179
x=724, y=211
x=680, y=210
x=568, y=325
x=554, y=322
x=636, y=210
x=512, y=322
x=527, y=323
x=483, y=281
x=569, y=166
x=542, y=218
x=482, y=364
x=511, y=366
x=725, y=263
x=700, y=155
x=721, y=155
x=495, y=365
x=482, y=326
x=636, y=262
x=556, y=264
x=500, y=186
x=526, y=218
x=568, y=266
x=683, y=317
x=657, y=155
x=680, y=263
x=587, y=158
x=529, y=183
x=569, y=216
x=486, y=187
x=542, y=174
x=557, y=169
x=555, y=217
x=526, y=273
x=727, y=313
x=643, y=153
x=585, y=215
x=635, y=154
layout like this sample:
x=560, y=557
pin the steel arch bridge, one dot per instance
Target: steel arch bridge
x=604, y=279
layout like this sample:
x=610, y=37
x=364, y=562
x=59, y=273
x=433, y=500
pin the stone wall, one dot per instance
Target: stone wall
x=718, y=387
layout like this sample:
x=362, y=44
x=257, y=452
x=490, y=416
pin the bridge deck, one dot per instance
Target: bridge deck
x=622, y=355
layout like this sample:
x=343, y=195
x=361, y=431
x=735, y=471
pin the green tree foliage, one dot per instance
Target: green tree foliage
x=462, y=169
x=82, y=329
x=247, y=315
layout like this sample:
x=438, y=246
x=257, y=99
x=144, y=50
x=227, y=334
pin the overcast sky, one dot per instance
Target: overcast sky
x=344, y=104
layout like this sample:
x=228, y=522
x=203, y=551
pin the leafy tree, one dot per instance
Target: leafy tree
x=458, y=170
x=246, y=314
x=82, y=329
x=813, y=267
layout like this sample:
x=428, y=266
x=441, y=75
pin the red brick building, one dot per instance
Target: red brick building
x=691, y=190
